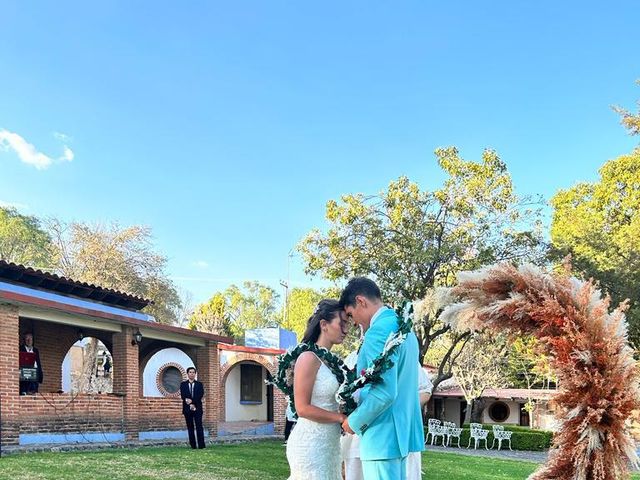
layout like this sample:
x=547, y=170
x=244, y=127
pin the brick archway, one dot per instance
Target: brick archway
x=243, y=357
x=279, y=402
x=68, y=340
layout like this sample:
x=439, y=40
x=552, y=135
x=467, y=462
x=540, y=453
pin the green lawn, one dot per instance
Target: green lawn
x=250, y=461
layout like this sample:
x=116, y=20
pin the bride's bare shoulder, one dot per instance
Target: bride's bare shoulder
x=307, y=361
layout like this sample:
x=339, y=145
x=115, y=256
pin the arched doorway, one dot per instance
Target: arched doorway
x=87, y=367
x=247, y=402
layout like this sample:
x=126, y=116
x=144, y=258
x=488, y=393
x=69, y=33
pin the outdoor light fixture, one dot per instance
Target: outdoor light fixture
x=137, y=338
x=80, y=334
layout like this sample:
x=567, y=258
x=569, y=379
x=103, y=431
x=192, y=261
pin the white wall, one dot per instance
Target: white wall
x=543, y=418
x=66, y=373
x=514, y=413
x=452, y=411
x=235, y=411
x=167, y=355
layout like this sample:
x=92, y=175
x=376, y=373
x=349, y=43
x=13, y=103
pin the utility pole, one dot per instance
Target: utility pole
x=285, y=285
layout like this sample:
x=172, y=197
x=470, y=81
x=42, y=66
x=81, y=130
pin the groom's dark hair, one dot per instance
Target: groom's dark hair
x=359, y=286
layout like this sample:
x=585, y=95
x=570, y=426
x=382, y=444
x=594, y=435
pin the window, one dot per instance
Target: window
x=250, y=384
x=171, y=378
x=499, y=412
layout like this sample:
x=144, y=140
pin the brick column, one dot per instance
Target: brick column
x=279, y=407
x=126, y=380
x=208, y=365
x=9, y=375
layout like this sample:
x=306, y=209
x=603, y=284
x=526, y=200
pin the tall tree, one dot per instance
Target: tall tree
x=527, y=367
x=599, y=225
x=122, y=258
x=212, y=316
x=253, y=305
x=297, y=309
x=23, y=240
x=480, y=366
x=187, y=307
x=631, y=121
x=411, y=240
x=300, y=306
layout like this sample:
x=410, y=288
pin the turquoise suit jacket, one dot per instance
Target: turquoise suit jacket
x=388, y=417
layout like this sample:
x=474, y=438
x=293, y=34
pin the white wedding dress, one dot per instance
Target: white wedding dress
x=313, y=449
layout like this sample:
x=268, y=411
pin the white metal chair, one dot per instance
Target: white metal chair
x=453, y=431
x=500, y=434
x=431, y=430
x=439, y=431
x=477, y=434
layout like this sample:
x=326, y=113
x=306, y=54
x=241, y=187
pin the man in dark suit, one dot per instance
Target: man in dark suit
x=191, y=392
x=31, y=387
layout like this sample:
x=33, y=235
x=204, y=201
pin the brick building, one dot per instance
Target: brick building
x=59, y=311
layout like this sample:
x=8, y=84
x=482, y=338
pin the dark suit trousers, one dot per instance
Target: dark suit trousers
x=29, y=387
x=288, y=426
x=195, y=419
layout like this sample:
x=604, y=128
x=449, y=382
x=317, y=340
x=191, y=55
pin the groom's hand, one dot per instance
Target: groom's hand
x=346, y=427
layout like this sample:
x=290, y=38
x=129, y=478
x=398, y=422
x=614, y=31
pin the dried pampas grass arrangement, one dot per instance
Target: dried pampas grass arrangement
x=589, y=352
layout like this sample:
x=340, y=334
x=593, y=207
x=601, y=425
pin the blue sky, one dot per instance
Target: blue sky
x=227, y=126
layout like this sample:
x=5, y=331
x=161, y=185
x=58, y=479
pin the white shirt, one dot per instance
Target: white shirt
x=424, y=383
x=377, y=314
x=290, y=415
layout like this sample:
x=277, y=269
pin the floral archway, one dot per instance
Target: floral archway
x=588, y=348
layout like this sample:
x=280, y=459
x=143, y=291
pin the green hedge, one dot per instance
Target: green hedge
x=523, y=438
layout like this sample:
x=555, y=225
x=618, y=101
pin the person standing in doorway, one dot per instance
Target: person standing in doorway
x=192, y=392
x=31, y=387
x=107, y=366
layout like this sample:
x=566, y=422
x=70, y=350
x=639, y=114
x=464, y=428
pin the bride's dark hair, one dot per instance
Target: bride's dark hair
x=326, y=310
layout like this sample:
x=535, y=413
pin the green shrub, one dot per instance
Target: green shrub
x=523, y=438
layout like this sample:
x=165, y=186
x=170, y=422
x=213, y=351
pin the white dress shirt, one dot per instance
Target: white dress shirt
x=377, y=314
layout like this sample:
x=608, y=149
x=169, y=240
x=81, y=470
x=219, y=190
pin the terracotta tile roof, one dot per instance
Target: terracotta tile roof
x=27, y=276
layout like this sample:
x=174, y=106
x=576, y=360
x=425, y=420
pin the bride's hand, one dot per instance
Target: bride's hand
x=341, y=418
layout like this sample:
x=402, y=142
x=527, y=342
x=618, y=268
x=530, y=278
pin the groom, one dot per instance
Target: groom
x=388, y=416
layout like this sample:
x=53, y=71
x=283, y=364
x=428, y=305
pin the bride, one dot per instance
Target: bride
x=313, y=448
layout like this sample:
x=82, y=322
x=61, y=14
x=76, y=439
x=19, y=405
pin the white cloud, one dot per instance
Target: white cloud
x=28, y=153
x=68, y=154
x=200, y=264
x=63, y=137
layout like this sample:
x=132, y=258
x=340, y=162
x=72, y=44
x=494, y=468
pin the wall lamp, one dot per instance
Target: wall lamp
x=137, y=338
x=80, y=334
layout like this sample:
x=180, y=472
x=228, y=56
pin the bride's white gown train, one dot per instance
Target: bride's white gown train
x=313, y=449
